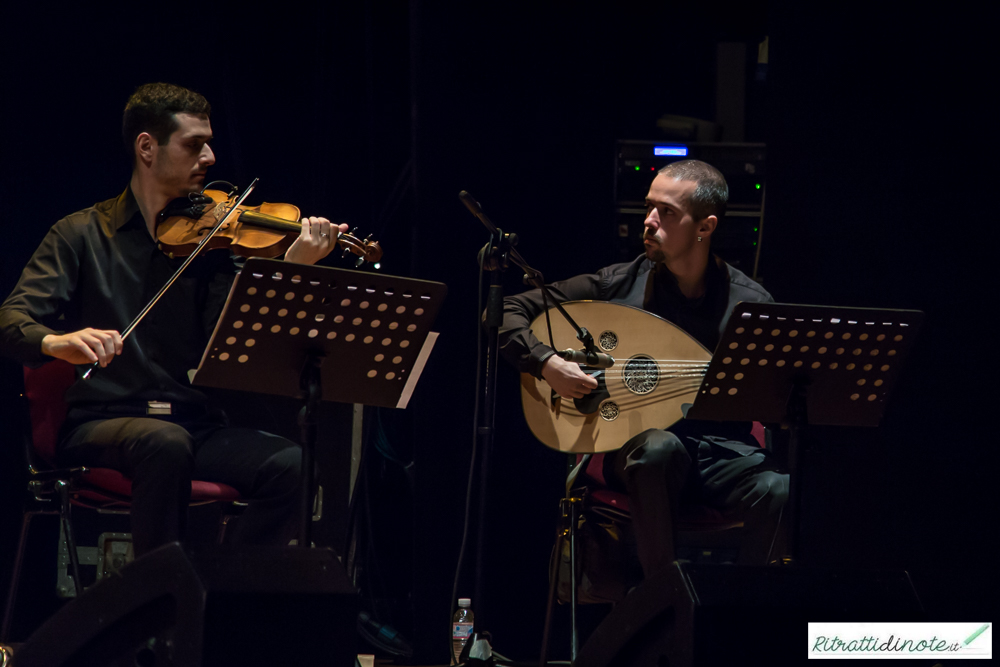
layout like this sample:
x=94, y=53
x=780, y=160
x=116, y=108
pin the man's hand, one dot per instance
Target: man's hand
x=316, y=240
x=566, y=378
x=84, y=347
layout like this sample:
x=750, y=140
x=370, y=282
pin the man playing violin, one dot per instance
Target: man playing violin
x=92, y=274
x=678, y=278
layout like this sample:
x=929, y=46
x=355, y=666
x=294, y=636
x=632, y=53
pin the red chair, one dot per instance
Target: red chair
x=695, y=522
x=701, y=532
x=53, y=490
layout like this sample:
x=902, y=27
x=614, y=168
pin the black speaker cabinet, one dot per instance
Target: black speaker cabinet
x=277, y=606
x=708, y=615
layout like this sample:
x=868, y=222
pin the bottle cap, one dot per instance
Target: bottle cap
x=464, y=602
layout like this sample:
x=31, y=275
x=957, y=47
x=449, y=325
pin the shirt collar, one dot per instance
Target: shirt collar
x=716, y=274
x=125, y=208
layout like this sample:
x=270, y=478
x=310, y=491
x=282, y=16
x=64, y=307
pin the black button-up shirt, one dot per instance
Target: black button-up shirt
x=700, y=317
x=98, y=268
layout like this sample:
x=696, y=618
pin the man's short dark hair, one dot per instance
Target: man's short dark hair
x=153, y=108
x=711, y=194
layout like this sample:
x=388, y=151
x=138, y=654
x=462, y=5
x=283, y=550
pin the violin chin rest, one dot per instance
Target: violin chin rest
x=191, y=206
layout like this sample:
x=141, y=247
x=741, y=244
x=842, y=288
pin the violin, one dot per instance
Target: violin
x=211, y=219
x=253, y=231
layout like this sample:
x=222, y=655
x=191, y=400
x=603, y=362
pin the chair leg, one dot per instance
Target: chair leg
x=567, y=532
x=232, y=510
x=223, y=526
x=15, y=578
x=553, y=583
x=574, y=640
x=74, y=558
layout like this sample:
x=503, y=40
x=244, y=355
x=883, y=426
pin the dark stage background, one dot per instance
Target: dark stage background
x=378, y=113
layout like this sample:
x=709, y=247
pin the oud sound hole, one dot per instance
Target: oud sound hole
x=609, y=411
x=640, y=375
x=608, y=340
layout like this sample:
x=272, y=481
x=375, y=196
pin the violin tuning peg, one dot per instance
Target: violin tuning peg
x=368, y=238
x=346, y=250
x=359, y=262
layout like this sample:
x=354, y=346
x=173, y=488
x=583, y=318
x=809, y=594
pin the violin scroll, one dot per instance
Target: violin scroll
x=366, y=249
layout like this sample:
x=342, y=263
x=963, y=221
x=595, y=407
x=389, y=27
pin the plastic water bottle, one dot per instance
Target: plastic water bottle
x=462, y=624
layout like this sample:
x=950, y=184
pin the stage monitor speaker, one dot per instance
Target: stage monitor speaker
x=215, y=606
x=707, y=615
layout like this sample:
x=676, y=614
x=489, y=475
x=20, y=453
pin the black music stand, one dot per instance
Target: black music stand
x=802, y=365
x=283, y=320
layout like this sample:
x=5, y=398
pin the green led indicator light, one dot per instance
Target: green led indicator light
x=755, y=229
x=757, y=186
x=637, y=169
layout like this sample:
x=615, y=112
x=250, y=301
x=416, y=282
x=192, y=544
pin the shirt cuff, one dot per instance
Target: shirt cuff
x=29, y=348
x=542, y=358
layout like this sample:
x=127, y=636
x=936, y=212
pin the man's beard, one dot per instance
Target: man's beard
x=655, y=254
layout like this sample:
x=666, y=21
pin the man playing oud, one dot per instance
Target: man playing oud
x=92, y=274
x=679, y=279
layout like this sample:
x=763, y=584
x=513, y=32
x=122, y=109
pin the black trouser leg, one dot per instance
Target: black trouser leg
x=748, y=489
x=652, y=467
x=162, y=457
x=266, y=470
x=760, y=498
x=157, y=456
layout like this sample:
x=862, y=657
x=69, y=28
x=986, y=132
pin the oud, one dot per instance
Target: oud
x=658, y=370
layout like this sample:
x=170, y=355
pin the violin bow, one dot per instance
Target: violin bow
x=163, y=290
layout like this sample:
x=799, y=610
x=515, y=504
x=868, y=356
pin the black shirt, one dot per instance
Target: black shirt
x=98, y=268
x=700, y=317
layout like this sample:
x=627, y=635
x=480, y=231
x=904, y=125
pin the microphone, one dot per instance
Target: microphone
x=592, y=359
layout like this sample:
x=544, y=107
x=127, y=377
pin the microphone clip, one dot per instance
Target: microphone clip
x=585, y=358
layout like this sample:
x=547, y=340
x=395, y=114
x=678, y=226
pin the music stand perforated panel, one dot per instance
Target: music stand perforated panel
x=848, y=358
x=370, y=329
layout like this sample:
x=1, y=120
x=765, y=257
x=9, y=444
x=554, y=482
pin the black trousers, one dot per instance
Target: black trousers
x=661, y=473
x=162, y=457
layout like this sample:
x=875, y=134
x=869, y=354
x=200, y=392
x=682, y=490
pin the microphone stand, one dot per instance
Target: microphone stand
x=506, y=248
x=496, y=255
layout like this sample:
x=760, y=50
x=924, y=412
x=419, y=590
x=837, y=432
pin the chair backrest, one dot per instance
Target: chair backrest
x=45, y=388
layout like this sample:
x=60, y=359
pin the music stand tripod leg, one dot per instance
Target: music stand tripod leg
x=312, y=386
x=797, y=419
x=261, y=347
